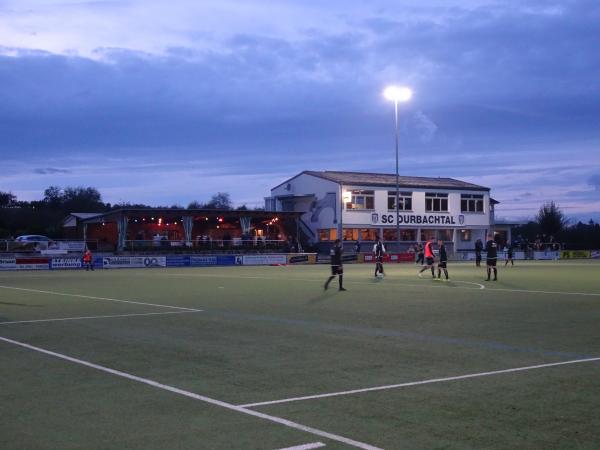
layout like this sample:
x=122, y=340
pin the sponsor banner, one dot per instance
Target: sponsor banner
x=261, y=260
x=297, y=259
x=595, y=254
x=302, y=258
x=226, y=260
x=32, y=263
x=178, y=261
x=575, y=254
x=8, y=264
x=65, y=263
x=546, y=255
x=404, y=257
x=392, y=258
x=203, y=261
x=116, y=262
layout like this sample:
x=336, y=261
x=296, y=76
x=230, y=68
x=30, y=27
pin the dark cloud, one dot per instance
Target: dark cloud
x=50, y=171
x=498, y=90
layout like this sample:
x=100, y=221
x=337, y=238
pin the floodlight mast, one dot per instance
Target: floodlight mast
x=397, y=94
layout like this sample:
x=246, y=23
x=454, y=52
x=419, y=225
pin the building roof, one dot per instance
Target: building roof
x=389, y=180
x=180, y=212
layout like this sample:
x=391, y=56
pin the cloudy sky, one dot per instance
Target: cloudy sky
x=168, y=102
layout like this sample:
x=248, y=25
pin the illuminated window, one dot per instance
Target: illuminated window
x=328, y=234
x=361, y=200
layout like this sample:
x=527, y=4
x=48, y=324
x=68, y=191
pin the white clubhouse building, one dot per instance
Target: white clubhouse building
x=356, y=206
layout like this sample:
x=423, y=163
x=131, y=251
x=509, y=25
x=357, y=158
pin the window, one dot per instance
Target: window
x=404, y=201
x=328, y=234
x=471, y=203
x=445, y=235
x=362, y=200
x=465, y=235
x=405, y=235
x=436, y=202
x=351, y=234
x=368, y=234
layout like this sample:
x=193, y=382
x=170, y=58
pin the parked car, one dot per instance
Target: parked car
x=32, y=242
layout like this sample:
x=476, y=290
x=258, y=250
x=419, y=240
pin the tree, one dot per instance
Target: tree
x=551, y=219
x=195, y=205
x=82, y=199
x=220, y=200
x=7, y=199
x=53, y=196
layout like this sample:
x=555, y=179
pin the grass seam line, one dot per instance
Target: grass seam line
x=417, y=383
x=192, y=395
x=97, y=317
x=396, y=283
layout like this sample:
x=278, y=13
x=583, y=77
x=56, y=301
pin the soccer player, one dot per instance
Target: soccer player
x=336, y=265
x=492, y=257
x=509, y=256
x=378, y=252
x=478, y=250
x=420, y=254
x=443, y=259
x=87, y=260
x=429, y=258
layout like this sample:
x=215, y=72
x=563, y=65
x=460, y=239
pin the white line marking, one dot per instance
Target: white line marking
x=98, y=317
x=399, y=282
x=279, y=420
x=418, y=383
x=305, y=446
x=593, y=294
x=90, y=297
x=481, y=286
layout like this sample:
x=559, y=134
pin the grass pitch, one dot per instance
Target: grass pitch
x=213, y=358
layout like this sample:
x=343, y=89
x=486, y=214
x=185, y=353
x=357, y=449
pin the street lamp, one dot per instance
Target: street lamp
x=397, y=94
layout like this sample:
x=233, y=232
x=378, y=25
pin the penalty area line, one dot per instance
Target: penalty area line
x=305, y=446
x=90, y=297
x=419, y=383
x=98, y=317
x=192, y=395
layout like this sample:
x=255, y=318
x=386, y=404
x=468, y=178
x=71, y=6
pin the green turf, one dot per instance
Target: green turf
x=269, y=333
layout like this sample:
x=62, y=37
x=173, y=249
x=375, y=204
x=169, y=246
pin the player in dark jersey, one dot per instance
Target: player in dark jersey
x=378, y=252
x=509, y=256
x=429, y=258
x=420, y=254
x=443, y=259
x=478, y=250
x=336, y=265
x=492, y=257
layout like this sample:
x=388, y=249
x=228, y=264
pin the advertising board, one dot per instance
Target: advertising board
x=8, y=264
x=575, y=254
x=32, y=263
x=117, y=262
x=261, y=260
x=65, y=263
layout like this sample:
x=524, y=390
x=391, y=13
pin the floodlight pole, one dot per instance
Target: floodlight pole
x=397, y=179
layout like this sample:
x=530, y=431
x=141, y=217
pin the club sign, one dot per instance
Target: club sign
x=414, y=219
